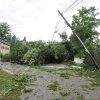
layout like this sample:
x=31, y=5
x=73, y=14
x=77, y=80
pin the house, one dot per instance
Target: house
x=4, y=47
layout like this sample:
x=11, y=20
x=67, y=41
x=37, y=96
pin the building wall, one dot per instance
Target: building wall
x=4, y=49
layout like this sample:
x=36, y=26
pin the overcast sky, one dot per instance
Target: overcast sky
x=36, y=19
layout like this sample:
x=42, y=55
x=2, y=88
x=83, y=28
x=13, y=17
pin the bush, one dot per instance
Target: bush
x=47, y=53
x=5, y=57
x=33, y=57
x=59, y=52
x=38, y=52
x=17, y=52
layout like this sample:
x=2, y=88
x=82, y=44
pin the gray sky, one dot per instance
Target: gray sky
x=36, y=19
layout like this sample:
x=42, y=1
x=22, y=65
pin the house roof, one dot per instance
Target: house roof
x=2, y=41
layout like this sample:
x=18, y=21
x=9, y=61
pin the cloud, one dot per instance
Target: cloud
x=36, y=19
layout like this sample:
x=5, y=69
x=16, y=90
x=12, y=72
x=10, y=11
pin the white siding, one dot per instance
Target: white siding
x=4, y=49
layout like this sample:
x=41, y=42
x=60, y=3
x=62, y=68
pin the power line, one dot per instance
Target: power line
x=70, y=6
x=57, y=24
x=67, y=9
x=73, y=6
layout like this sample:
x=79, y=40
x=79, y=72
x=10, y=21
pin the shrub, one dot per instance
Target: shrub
x=33, y=57
x=47, y=53
x=17, y=52
x=59, y=52
x=21, y=78
x=5, y=57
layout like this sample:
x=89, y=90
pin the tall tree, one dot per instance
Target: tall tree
x=17, y=51
x=5, y=31
x=84, y=24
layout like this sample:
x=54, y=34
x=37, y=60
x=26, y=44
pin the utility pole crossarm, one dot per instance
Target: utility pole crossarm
x=67, y=23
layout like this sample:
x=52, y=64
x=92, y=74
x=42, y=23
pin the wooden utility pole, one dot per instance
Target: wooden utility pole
x=67, y=23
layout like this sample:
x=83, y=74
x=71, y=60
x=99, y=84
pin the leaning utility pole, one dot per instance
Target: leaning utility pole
x=67, y=23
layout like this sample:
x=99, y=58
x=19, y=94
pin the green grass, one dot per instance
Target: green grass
x=10, y=86
x=65, y=75
x=80, y=97
x=92, y=75
x=48, y=70
x=28, y=90
x=77, y=92
x=64, y=98
x=70, y=63
x=64, y=93
x=54, y=86
x=57, y=99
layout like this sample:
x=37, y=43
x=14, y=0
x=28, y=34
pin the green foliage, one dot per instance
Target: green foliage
x=80, y=97
x=64, y=93
x=84, y=24
x=70, y=51
x=14, y=39
x=51, y=51
x=33, y=57
x=88, y=61
x=5, y=31
x=91, y=74
x=63, y=36
x=65, y=75
x=11, y=86
x=42, y=53
x=21, y=78
x=47, y=54
x=28, y=90
x=17, y=52
x=54, y=86
x=32, y=53
x=36, y=53
x=5, y=57
x=36, y=44
x=59, y=52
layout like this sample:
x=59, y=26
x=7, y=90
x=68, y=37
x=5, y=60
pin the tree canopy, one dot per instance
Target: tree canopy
x=5, y=31
x=84, y=24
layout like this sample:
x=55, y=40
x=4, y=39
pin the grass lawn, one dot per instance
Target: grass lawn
x=10, y=89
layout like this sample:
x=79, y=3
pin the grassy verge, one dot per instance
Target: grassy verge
x=54, y=85
x=65, y=75
x=92, y=75
x=64, y=93
x=11, y=85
